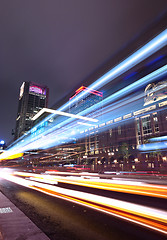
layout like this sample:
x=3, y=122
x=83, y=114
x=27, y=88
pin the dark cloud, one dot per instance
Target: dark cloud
x=60, y=43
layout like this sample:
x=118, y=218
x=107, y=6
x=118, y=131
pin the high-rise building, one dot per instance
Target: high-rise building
x=89, y=99
x=85, y=98
x=33, y=97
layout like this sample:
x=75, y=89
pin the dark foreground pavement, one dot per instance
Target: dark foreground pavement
x=15, y=225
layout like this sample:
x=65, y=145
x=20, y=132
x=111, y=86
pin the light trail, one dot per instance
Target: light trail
x=153, y=146
x=63, y=114
x=61, y=133
x=54, y=136
x=151, y=218
x=131, y=187
x=130, y=88
x=157, y=143
x=144, y=52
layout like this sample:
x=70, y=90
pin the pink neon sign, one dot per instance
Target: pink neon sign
x=37, y=90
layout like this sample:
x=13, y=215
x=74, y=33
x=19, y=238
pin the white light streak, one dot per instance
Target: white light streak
x=62, y=114
x=142, y=213
x=58, y=133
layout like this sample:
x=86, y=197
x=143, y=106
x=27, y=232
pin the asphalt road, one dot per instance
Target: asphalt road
x=63, y=220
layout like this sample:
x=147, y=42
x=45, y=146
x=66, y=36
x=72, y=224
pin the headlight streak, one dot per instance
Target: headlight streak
x=139, y=188
x=151, y=47
x=47, y=181
x=116, y=213
x=143, y=189
x=145, y=216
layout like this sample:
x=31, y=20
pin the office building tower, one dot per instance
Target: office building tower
x=90, y=98
x=33, y=97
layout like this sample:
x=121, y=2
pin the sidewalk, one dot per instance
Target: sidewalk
x=15, y=225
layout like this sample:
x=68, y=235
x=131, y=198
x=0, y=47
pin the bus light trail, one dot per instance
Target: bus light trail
x=151, y=218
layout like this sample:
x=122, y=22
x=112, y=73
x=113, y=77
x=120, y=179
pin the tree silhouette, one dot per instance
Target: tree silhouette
x=124, y=150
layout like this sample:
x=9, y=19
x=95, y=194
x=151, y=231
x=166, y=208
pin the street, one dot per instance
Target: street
x=62, y=219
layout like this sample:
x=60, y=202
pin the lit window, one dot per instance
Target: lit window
x=119, y=130
x=155, y=118
x=146, y=125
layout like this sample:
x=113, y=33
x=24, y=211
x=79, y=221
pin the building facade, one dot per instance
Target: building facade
x=131, y=133
x=33, y=97
x=89, y=98
x=134, y=141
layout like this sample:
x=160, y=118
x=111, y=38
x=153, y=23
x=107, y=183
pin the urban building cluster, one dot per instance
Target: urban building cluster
x=131, y=128
x=113, y=145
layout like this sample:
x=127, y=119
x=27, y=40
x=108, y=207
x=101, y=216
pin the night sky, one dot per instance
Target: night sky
x=59, y=43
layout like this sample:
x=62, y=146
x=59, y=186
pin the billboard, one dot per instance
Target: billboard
x=37, y=89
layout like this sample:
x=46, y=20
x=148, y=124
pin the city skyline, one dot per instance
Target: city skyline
x=62, y=64
x=148, y=65
x=83, y=127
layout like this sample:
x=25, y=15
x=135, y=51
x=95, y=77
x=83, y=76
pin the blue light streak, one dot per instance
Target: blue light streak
x=151, y=47
x=130, y=88
x=158, y=139
x=60, y=132
x=144, y=52
x=155, y=60
x=153, y=146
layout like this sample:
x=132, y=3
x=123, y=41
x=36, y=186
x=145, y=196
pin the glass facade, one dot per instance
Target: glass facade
x=32, y=99
x=146, y=125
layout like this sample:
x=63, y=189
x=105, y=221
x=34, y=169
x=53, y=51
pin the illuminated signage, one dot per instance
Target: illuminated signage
x=163, y=104
x=155, y=92
x=117, y=119
x=144, y=110
x=83, y=88
x=127, y=116
x=37, y=89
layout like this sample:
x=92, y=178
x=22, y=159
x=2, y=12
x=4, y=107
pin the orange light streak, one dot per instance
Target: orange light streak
x=152, y=190
x=148, y=217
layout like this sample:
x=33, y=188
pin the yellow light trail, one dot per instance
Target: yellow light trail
x=14, y=156
x=131, y=187
x=151, y=218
